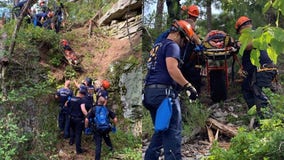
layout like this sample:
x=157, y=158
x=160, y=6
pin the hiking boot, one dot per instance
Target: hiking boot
x=82, y=151
x=66, y=136
x=71, y=143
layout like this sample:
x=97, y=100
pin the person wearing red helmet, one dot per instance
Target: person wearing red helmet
x=102, y=91
x=192, y=11
x=164, y=79
x=255, y=78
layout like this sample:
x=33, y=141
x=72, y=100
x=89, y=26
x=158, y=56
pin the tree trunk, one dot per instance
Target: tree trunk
x=159, y=15
x=3, y=66
x=17, y=27
x=173, y=10
x=209, y=15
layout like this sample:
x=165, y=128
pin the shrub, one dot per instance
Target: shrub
x=11, y=137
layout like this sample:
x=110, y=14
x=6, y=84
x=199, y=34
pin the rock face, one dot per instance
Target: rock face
x=123, y=19
x=120, y=10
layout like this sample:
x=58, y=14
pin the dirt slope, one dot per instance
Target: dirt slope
x=98, y=52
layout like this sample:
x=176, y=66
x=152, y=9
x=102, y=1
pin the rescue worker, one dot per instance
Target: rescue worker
x=162, y=80
x=89, y=97
x=62, y=95
x=191, y=62
x=102, y=91
x=256, y=78
x=39, y=10
x=78, y=112
x=98, y=136
x=192, y=13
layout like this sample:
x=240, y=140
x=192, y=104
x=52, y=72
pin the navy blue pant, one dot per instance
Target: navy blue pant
x=98, y=141
x=252, y=89
x=64, y=121
x=76, y=128
x=170, y=139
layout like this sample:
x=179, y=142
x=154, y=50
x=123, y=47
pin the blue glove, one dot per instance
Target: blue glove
x=198, y=48
x=113, y=129
x=88, y=131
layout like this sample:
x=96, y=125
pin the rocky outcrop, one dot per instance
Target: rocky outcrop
x=120, y=10
x=123, y=19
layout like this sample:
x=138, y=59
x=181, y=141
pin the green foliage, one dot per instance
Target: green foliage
x=131, y=154
x=11, y=137
x=56, y=60
x=194, y=115
x=130, y=149
x=263, y=38
x=25, y=92
x=263, y=143
x=147, y=127
x=81, y=11
x=70, y=73
x=279, y=5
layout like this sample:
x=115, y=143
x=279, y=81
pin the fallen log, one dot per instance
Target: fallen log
x=223, y=129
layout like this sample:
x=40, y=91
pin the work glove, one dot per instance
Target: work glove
x=242, y=73
x=190, y=91
x=199, y=48
x=113, y=129
x=88, y=131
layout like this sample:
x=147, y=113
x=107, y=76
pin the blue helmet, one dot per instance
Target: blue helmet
x=83, y=89
x=88, y=81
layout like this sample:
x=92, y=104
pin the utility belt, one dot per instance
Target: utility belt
x=76, y=117
x=168, y=89
x=160, y=86
x=267, y=67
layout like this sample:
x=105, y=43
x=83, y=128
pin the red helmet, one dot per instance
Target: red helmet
x=64, y=42
x=105, y=84
x=193, y=11
x=184, y=27
x=241, y=21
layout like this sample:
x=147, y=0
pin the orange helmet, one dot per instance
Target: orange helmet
x=105, y=84
x=241, y=21
x=64, y=42
x=184, y=27
x=193, y=11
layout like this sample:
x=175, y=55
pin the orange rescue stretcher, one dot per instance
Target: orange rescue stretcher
x=218, y=48
x=70, y=55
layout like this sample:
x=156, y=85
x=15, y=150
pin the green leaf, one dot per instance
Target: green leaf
x=279, y=5
x=256, y=43
x=266, y=6
x=279, y=34
x=258, y=32
x=252, y=110
x=245, y=38
x=272, y=54
x=254, y=57
x=277, y=46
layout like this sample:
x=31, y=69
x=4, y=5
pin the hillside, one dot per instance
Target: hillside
x=98, y=52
